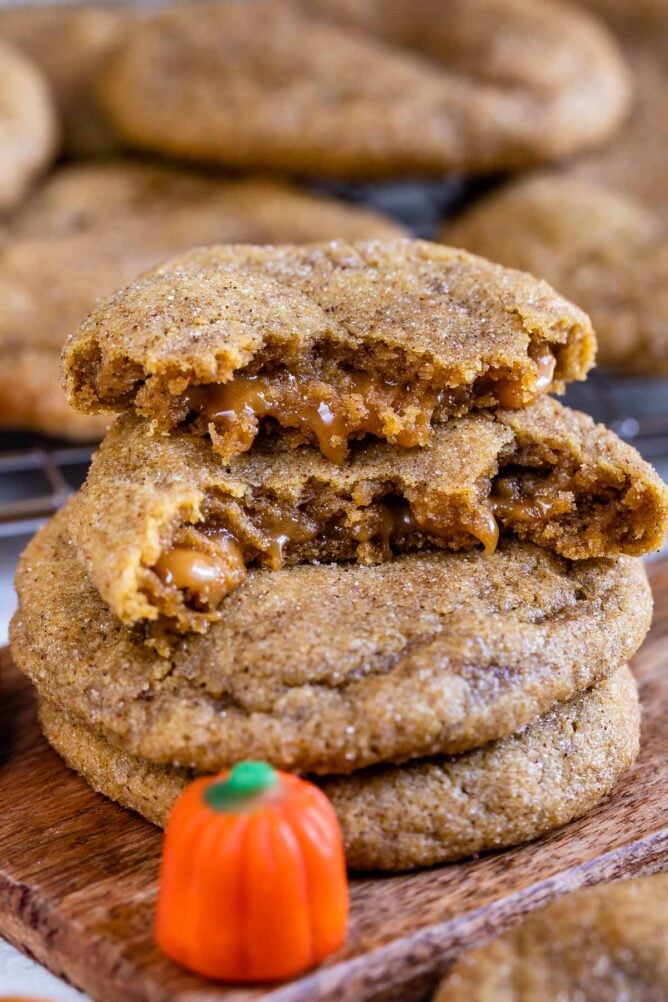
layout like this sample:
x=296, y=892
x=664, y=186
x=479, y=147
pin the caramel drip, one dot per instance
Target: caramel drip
x=279, y=530
x=206, y=577
x=384, y=521
x=509, y=392
x=361, y=405
x=478, y=521
x=522, y=498
x=482, y=524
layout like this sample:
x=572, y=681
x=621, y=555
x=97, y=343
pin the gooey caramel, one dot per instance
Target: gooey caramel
x=206, y=578
x=519, y=497
x=530, y=501
x=509, y=392
x=330, y=415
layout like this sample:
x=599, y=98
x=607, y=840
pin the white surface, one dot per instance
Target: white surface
x=18, y=974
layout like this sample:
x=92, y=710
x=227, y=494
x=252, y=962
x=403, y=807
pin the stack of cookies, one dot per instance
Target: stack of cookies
x=339, y=525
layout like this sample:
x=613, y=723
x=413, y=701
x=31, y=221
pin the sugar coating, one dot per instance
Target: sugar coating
x=367, y=89
x=409, y=307
x=332, y=667
x=430, y=810
x=92, y=228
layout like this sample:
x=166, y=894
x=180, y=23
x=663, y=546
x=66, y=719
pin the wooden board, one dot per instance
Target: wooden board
x=78, y=874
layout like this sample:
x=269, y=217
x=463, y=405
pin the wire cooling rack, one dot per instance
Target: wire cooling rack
x=37, y=475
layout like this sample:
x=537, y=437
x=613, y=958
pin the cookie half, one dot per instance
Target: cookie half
x=167, y=530
x=431, y=810
x=332, y=340
x=332, y=667
x=366, y=90
x=28, y=130
x=92, y=228
x=605, y=943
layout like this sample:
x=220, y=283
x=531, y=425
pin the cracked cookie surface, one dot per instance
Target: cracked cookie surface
x=92, y=228
x=329, y=668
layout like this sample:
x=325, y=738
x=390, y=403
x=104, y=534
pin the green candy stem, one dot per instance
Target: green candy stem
x=246, y=780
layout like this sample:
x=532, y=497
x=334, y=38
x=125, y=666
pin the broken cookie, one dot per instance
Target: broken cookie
x=166, y=529
x=333, y=341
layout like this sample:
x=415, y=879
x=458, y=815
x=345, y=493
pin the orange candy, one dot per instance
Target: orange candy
x=253, y=882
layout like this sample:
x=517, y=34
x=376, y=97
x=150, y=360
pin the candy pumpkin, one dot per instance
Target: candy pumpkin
x=253, y=882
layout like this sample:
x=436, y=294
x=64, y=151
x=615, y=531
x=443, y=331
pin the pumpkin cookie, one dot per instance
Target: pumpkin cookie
x=333, y=340
x=70, y=43
x=431, y=810
x=367, y=89
x=598, y=230
x=332, y=667
x=606, y=944
x=93, y=228
x=167, y=529
x=28, y=132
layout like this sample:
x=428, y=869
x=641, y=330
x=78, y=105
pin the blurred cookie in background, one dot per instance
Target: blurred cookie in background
x=598, y=229
x=70, y=42
x=28, y=129
x=190, y=207
x=93, y=228
x=603, y=944
x=363, y=90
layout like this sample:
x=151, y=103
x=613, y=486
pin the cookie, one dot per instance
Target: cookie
x=334, y=340
x=70, y=42
x=366, y=90
x=605, y=943
x=28, y=130
x=167, y=530
x=333, y=667
x=93, y=228
x=431, y=810
x=598, y=230
x=181, y=207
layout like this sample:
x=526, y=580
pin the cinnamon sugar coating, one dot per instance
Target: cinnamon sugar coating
x=431, y=810
x=421, y=330
x=330, y=668
x=367, y=89
x=91, y=228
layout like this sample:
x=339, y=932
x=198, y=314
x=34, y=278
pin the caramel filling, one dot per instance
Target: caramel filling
x=524, y=499
x=330, y=414
x=509, y=391
x=207, y=561
x=204, y=578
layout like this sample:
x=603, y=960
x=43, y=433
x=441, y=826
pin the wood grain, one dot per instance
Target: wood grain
x=78, y=874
